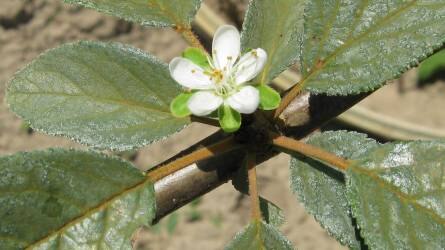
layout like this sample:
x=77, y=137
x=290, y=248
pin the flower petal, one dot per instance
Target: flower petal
x=245, y=101
x=188, y=74
x=203, y=103
x=250, y=65
x=226, y=47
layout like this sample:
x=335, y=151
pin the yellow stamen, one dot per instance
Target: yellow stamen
x=217, y=75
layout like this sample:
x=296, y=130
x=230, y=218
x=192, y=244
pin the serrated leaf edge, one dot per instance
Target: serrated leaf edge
x=292, y=61
x=100, y=207
x=77, y=138
x=345, y=90
x=157, y=24
x=300, y=197
x=404, y=198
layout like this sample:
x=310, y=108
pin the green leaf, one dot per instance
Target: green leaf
x=271, y=213
x=432, y=65
x=179, y=107
x=269, y=98
x=229, y=119
x=355, y=46
x=66, y=199
x=107, y=95
x=276, y=28
x=322, y=190
x=197, y=56
x=397, y=194
x=158, y=13
x=259, y=235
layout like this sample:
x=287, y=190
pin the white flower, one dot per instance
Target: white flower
x=224, y=82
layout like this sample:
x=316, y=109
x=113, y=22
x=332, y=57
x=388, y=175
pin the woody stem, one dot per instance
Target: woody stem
x=220, y=147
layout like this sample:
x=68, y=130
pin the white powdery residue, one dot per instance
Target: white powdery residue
x=401, y=155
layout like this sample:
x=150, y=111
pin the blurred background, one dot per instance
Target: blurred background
x=410, y=107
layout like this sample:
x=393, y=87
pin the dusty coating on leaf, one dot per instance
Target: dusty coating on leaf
x=406, y=208
x=278, y=29
x=101, y=200
x=361, y=52
x=322, y=190
x=259, y=235
x=157, y=13
x=106, y=95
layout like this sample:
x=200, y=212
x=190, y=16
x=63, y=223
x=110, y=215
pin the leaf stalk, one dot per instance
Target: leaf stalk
x=288, y=98
x=296, y=146
x=253, y=186
x=190, y=37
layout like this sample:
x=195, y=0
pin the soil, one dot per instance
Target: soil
x=406, y=100
x=29, y=27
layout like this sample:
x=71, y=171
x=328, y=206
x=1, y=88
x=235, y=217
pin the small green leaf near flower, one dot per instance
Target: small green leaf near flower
x=197, y=56
x=229, y=119
x=178, y=106
x=269, y=98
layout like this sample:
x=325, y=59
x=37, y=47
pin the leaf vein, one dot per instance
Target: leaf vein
x=402, y=196
x=100, y=99
x=91, y=211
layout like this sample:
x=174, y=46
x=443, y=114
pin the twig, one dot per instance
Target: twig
x=222, y=146
x=253, y=187
x=310, y=151
x=190, y=36
x=288, y=98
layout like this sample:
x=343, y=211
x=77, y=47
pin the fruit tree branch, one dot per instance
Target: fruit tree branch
x=305, y=113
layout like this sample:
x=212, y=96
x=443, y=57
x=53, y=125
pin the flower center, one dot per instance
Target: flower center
x=217, y=76
x=224, y=85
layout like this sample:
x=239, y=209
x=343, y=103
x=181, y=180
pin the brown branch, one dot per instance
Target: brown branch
x=195, y=180
x=253, y=187
x=308, y=112
x=305, y=113
x=222, y=146
x=310, y=151
x=198, y=178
